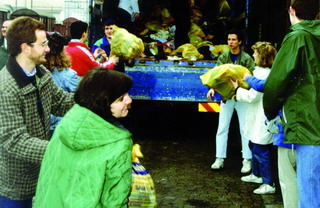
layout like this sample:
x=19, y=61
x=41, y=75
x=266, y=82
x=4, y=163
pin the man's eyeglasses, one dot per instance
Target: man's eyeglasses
x=44, y=44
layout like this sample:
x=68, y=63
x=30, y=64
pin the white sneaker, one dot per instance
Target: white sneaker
x=246, y=166
x=265, y=189
x=251, y=179
x=218, y=164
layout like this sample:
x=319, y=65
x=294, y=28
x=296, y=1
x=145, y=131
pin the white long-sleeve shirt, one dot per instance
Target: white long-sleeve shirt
x=131, y=6
x=254, y=127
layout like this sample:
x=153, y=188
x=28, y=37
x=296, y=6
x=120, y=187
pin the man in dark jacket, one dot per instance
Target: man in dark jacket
x=28, y=96
x=294, y=86
x=105, y=44
x=3, y=44
x=235, y=56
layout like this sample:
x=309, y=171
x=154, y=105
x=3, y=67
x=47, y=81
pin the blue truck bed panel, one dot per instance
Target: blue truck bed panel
x=169, y=81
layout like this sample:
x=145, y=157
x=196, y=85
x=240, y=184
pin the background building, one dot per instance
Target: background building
x=60, y=9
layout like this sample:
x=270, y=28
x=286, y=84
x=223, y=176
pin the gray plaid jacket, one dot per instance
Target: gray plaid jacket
x=24, y=134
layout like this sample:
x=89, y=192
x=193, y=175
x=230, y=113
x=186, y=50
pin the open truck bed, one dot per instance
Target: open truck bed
x=173, y=81
x=169, y=80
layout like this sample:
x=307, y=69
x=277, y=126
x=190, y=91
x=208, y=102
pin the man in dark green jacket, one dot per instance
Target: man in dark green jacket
x=4, y=54
x=235, y=56
x=294, y=86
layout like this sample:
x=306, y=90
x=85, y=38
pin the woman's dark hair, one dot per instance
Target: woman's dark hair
x=56, y=58
x=99, y=88
x=56, y=42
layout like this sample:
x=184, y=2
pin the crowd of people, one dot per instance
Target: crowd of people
x=281, y=107
x=62, y=144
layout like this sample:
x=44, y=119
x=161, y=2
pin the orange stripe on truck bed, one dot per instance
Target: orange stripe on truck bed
x=209, y=107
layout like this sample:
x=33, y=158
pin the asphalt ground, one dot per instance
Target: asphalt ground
x=178, y=144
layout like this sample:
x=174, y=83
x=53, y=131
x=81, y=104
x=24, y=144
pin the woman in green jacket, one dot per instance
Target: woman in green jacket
x=88, y=161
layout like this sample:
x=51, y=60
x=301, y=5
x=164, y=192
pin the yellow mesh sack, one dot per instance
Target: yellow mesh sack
x=154, y=26
x=194, y=39
x=204, y=43
x=125, y=44
x=188, y=51
x=142, y=188
x=166, y=16
x=219, y=49
x=218, y=78
x=196, y=34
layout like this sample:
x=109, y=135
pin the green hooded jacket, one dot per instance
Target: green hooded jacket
x=87, y=164
x=294, y=84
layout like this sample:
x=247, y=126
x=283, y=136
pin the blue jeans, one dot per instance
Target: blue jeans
x=261, y=162
x=308, y=174
x=9, y=203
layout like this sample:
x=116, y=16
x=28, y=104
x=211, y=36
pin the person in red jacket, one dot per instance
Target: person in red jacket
x=82, y=60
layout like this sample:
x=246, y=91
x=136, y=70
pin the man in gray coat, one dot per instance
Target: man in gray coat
x=28, y=96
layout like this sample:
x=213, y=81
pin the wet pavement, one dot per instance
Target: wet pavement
x=178, y=144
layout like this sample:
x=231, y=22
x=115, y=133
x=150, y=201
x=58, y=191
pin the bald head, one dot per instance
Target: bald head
x=4, y=27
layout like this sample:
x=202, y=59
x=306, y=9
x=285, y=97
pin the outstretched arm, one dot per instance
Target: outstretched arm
x=255, y=83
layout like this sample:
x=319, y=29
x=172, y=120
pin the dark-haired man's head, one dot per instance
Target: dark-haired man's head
x=108, y=27
x=305, y=9
x=236, y=32
x=79, y=30
x=23, y=30
x=4, y=27
x=109, y=22
x=234, y=41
